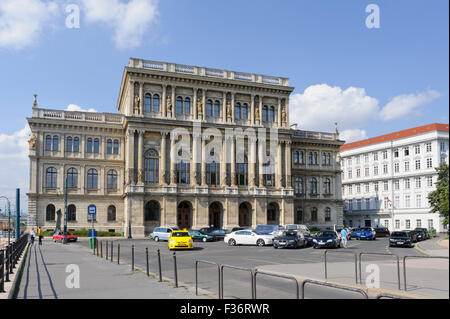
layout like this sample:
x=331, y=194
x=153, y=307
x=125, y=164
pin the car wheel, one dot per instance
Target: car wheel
x=260, y=242
x=204, y=239
x=232, y=242
x=156, y=238
x=275, y=247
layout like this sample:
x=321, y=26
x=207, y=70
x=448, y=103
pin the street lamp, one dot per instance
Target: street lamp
x=9, y=218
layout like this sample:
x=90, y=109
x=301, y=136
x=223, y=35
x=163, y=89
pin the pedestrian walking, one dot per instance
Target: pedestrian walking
x=32, y=235
x=344, y=237
x=40, y=235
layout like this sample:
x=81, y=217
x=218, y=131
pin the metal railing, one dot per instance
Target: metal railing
x=326, y=284
x=273, y=275
x=404, y=265
x=9, y=257
x=221, y=285
x=380, y=254
x=196, y=275
x=348, y=252
x=390, y=296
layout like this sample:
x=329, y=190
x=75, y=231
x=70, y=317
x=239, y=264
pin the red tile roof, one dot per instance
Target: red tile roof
x=397, y=135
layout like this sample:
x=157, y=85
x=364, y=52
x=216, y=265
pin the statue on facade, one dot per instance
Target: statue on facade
x=32, y=141
x=283, y=115
x=199, y=106
x=257, y=115
x=336, y=129
x=137, y=101
x=229, y=113
x=169, y=104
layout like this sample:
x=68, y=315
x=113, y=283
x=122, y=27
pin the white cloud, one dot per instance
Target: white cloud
x=15, y=165
x=76, y=108
x=353, y=135
x=407, y=104
x=130, y=20
x=22, y=21
x=320, y=106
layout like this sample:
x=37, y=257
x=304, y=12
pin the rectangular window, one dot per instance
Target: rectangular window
x=358, y=204
x=430, y=223
x=396, y=201
x=443, y=147
x=418, y=182
x=358, y=159
x=358, y=172
x=375, y=186
x=407, y=201
x=386, y=203
x=417, y=165
x=350, y=190
x=417, y=149
x=366, y=158
x=419, y=223
x=396, y=153
x=367, y=203
x=367, y=189
x=386, y=223
x=430, y=181
x=358, y=189
x=406, y=166
x=375, y=156
x=408, y=224
x=429, y=163
x=349, y=174
x=397, y=224
x=385, y=154
x=407, y=183
x=375, y=170
x=396, y=167
x=386, y=186
x=366, y=172
x=397, y=185
x=418, y=201
x=406, y=151
x=385, y=169
x=428, y=147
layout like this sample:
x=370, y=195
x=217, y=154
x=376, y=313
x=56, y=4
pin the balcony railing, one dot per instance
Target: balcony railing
x=78, y=116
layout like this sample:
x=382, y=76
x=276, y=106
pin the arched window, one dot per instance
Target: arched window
x=116, y=147
x=112, y=179
x=272, y=114
x=313, y=186
x=48, y=143
x=237, y=111
x=327, y=186
x=187, y=106
x=109, y=147
x=89, y=145
x=96, y=145
x=156, y=103
x=72, y=178
x=298, y=185
x=183, y=173
x=265, y=113
x=92, y=180
x=71, y=213
x=151, y=167
x=217, y=109
x=152, y=210
x=76, y=145
x=69, y=144
x=148, y=102
x=242, y=172
x=245, y=111
x=51, y=177
x=179, y=105
x=327, y=214
x=51, y=213
x=209, y=108
x=212, y=174
x=55, y=143
x=111, y=213
x=314, y=214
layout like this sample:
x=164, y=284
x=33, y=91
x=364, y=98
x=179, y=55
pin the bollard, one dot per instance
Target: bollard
x=7, y=264
x=106, y=250
x=159, y=266
x=112, y=252
x=101, y=249
x=11, y=260
x=132, y=258
x=175, y=270
x=96, y=245
x=146, y=255
x=118, y=254
x=2, y=271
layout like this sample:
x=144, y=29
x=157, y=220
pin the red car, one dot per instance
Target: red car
x=60, y=236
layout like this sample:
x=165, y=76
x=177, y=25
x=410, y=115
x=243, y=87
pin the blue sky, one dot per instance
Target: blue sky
x=372, y=81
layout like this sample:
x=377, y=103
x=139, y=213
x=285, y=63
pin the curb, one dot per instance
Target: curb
x=441, y=243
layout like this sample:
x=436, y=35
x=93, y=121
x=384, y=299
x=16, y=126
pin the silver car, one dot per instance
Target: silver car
x=162, y=233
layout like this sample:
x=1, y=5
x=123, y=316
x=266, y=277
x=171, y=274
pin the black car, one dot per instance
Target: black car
x=419, y=234
x=425, y=233
x=414, y=235
x=219, y=234
x=401, y=238
x=326, y=238
x=382, y=231
x=290, y=239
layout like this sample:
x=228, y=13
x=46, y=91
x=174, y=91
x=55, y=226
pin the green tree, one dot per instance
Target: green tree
x=438, y=199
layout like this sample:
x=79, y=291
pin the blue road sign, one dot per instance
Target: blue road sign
x=92, y=210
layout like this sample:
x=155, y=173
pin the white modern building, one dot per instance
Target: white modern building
x=386, y=179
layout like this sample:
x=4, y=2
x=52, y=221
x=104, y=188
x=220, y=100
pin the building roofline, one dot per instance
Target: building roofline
x=397, y=135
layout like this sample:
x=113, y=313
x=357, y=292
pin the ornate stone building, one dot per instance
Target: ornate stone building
x=191, y=147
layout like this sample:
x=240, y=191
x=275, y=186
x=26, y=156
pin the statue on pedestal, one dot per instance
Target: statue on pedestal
x=137, y=101
x=169, y=104
x=32, y=141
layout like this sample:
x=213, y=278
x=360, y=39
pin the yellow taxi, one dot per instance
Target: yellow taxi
x=180, y=239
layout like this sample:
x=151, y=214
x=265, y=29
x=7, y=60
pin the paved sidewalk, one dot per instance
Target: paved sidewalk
x=433, y=247
x=44, y=277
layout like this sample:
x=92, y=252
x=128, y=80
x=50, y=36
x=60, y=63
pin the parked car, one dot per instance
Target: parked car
x=353, y=232
x=162, y=233
x=268, y=229
x=419, y=234
x=59, y=236
x=198, y=236
x=326, y=238
x=298, y=227
x=382, y=232
x=413, y=234
x=180, y=239
x=366, y=233
x=219, y=234
x=247, y=237
x=401, y=238
x=425, y=233
x=290, y=238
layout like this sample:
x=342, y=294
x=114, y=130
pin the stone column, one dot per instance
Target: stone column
x=173, y=167
x=130, y=172
x=194, y=106
x=194, y=172
x=288, y=156
x=280, y=123
x=141, y=157
x=141, y=98
x=174, y=102
x=131, y=105
x=261, y=109
x=279, y=171
x=260, y=163
x=252, y=110
x=204, y=106
x=224, y=107
x=233, y=119
x=162, y=165
x=233, y=161
x=287, y=113
x=203, y=152
x=252, y=161
x=223, y=164
x=164, y=101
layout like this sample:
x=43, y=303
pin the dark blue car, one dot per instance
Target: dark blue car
x=367, y=233
x=327, y=239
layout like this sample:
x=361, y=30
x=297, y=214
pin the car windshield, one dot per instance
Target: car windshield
x=326, y=234
x=265, y=227
x=180, y=234
x=399, y=234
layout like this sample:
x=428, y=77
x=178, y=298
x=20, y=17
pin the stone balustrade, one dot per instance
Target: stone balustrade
x=78, y=116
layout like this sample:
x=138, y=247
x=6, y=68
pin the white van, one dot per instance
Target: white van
x=301, y=228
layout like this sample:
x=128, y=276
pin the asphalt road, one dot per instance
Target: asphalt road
x=237, y=283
